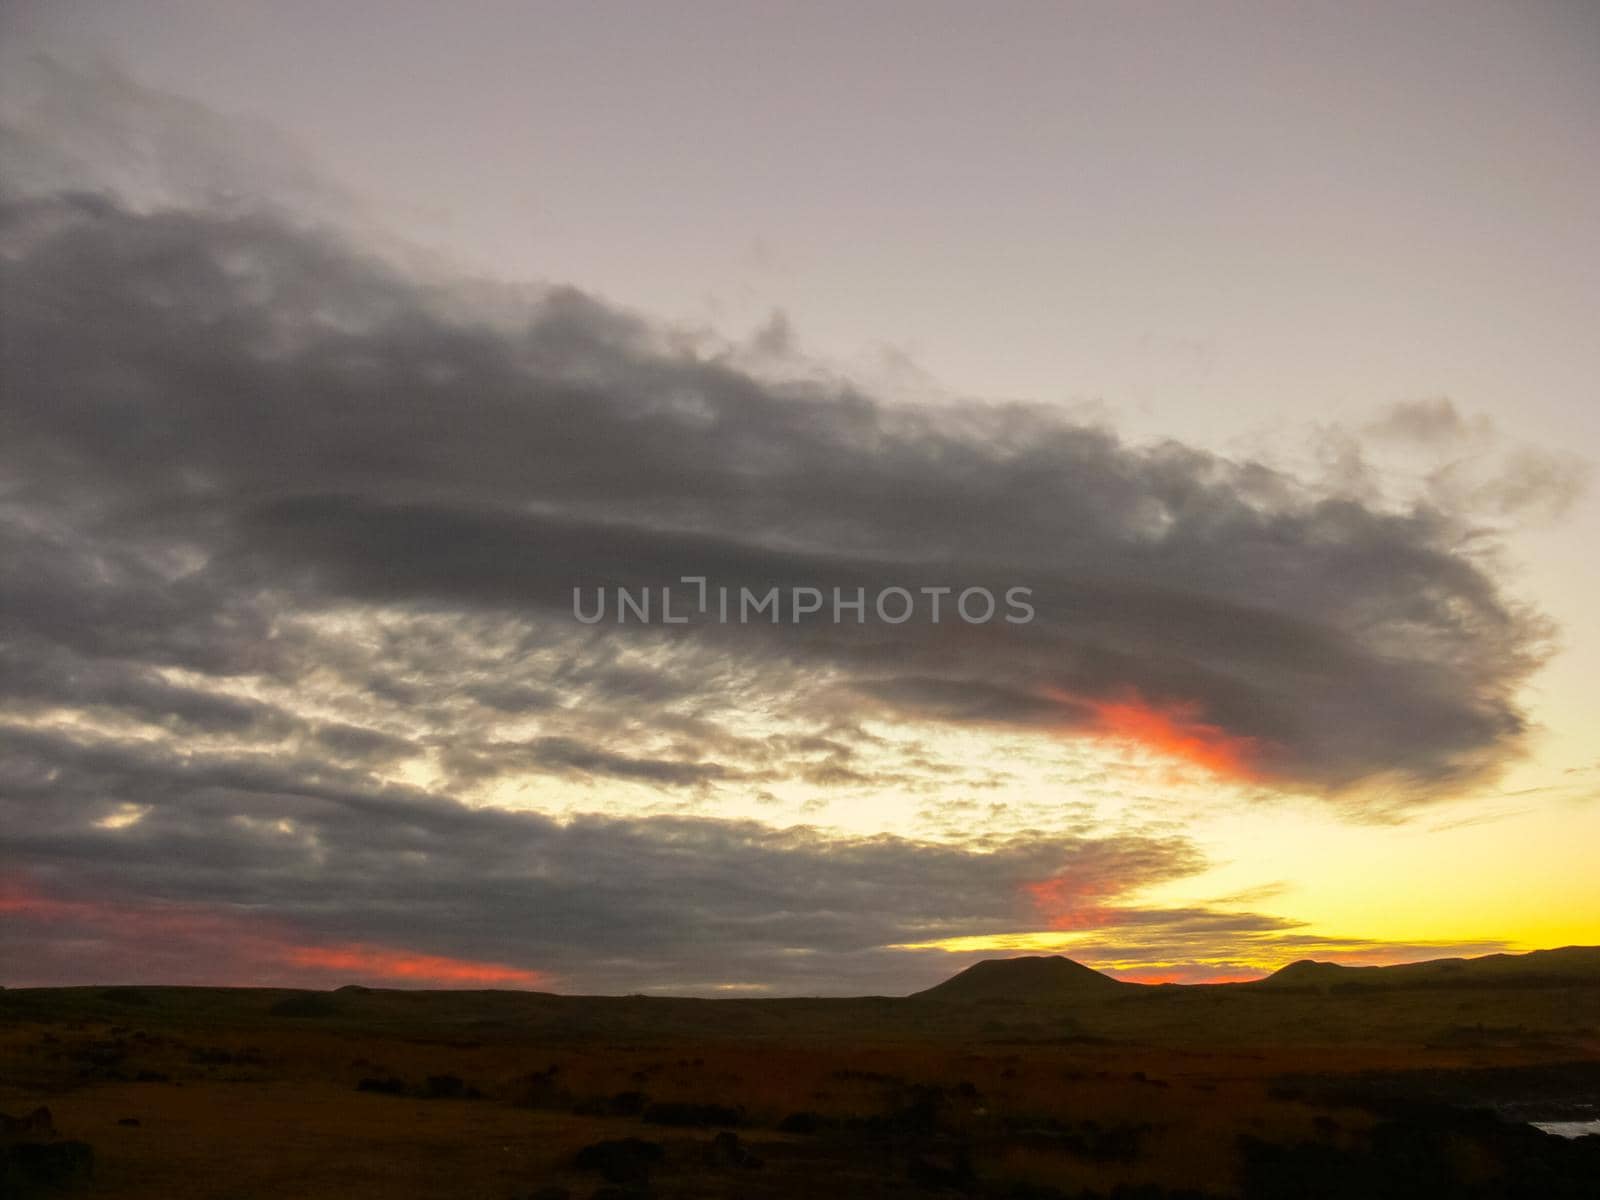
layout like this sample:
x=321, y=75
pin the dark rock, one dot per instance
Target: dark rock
x=37, y=1124
x=801, y=1122
x=628, y=1104
x=727, y=1150
x=26, y=1166
x=444, y=1087
x=683, y=1113
x=1430, y=1151
x=623, y=1160
x=621, y=1104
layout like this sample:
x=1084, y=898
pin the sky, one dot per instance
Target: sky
x=341, y=343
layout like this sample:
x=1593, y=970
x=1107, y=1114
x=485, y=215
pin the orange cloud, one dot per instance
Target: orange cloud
x=1174, y=729
x=247, y=946
x=23, y=901
x=1068, y=903
x=403, y=964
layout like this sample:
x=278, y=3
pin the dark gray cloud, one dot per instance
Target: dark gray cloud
x=283, y=871
x=600, y=903
x=295, y=415
x=280, y=510
x=272, y=411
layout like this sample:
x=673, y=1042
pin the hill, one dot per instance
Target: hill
x=1545, y=998
x=1568, y=965
x=1032, y=979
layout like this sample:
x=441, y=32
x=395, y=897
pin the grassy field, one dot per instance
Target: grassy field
x=191, y=1092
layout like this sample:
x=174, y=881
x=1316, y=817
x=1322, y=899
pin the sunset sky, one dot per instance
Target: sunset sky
x=341, y=342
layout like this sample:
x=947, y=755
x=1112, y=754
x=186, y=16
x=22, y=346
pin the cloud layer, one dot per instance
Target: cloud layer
x=285, y=516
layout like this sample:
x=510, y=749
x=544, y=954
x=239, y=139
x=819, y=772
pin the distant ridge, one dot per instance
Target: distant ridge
x=1056, y=979
x=1033, y=978
x=1570, y=964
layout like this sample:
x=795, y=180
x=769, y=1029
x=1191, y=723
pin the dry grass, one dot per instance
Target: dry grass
x=243, y=1104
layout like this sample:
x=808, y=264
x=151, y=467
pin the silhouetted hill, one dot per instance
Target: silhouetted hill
x=1544, y=999
x=1028, y=979
x=1570, y=964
